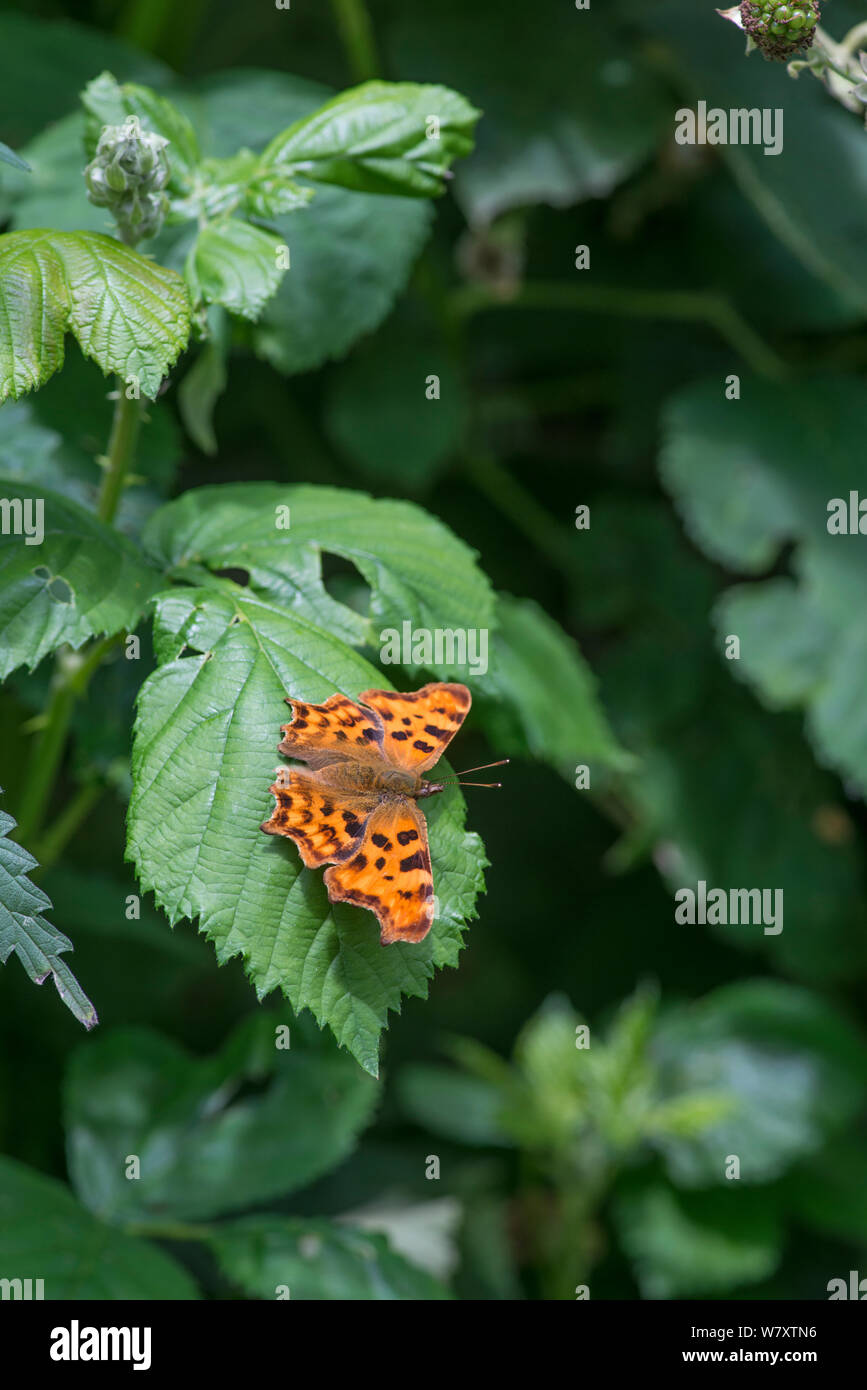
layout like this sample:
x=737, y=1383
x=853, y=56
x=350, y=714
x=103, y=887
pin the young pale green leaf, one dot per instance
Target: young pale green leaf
x=46, y=1234
x=203, y=759
x=64, y=576
x=236, y=265
x=317, y=1260
x=418, y=572
x=108, y=102
x=545, y=694
x=203, y=1148
x=244, y=183
x=129, y=314
x=381, y=137
x=24, y=929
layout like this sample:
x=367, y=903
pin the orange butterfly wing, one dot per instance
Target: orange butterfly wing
x=326, y=825
x=419, y=724
x=335, y=731
x=391, y=873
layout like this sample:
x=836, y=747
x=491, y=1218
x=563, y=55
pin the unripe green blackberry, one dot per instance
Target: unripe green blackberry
x=127, y=175
x=778, y=28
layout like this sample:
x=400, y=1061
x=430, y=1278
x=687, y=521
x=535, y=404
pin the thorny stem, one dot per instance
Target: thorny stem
x=356, y=33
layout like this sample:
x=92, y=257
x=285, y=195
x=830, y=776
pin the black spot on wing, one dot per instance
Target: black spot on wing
x=413, y=861
x=405, y=837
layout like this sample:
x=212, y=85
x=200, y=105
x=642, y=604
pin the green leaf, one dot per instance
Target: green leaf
x=236, y=265
x=204, y=1146
x=802, y=644
x=108, y=102
x=203, y=759
x=453, y=1104
x=569, y=109
x=265, y=1255
x=25, y=930
x=351, y=257
x=417, y=570
x=688, y=1245
x=77, y=580
x=794, y=1067
x=242, y=182
x=546, y=694
x=129, y=314
x=381, y=137
x=205, y=383
x=8, y=156
x=399, y=436
x=46, y=1234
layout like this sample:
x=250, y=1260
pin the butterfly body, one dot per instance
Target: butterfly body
x=355, y=805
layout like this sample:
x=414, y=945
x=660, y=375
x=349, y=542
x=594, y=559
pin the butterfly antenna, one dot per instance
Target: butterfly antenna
x=501, y=763
x=458, y=775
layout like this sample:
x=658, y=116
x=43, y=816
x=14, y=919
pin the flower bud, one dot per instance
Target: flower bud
x=127, y=175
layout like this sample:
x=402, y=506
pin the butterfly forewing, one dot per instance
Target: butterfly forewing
x=419, y=724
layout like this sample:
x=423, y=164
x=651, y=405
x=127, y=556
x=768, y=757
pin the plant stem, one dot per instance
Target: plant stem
x=55, y=840
x=47, y=752
x=356, y=33
x=690, y=305
x=121, y=447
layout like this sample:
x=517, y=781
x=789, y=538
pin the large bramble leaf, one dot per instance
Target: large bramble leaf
x=265, y=1255
x=23, y=928
x=801, y=639
x=381, y=137
x=203, y=1148
x=129, y=314
x=417, y=570
x=203, y=759
x=45, y=1233
x=79, y=579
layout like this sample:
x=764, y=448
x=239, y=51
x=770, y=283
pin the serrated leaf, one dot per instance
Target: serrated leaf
x=203, y=759
x=381, y=137
x=24, y=929
x=46, y=1234
x=129, y=314
x=235, y=265
x=418, y=571
x=319, y=1260
x=203, y=1148
x=83, y=579
x=109, y=102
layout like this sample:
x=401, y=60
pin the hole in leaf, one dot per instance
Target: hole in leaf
x=60, y=591
x=344, y=582
x=42, y=573
x=237, y=575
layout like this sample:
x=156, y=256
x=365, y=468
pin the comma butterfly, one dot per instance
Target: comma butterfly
x=356, y=805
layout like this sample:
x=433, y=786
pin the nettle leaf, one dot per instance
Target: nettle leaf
x=107, y=102
x=802, y=641
x=24, y=929
x=417, y=570
x=45, y=1233
x=381, y=137
x=317, y=1260
x=129, y=314
x=236, y=265
x=64, y=576
x=205, y=1146
x=203, y=758
x=545, y=694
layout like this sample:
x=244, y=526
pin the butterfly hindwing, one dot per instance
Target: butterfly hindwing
x=390, y=874
x=419, y=724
